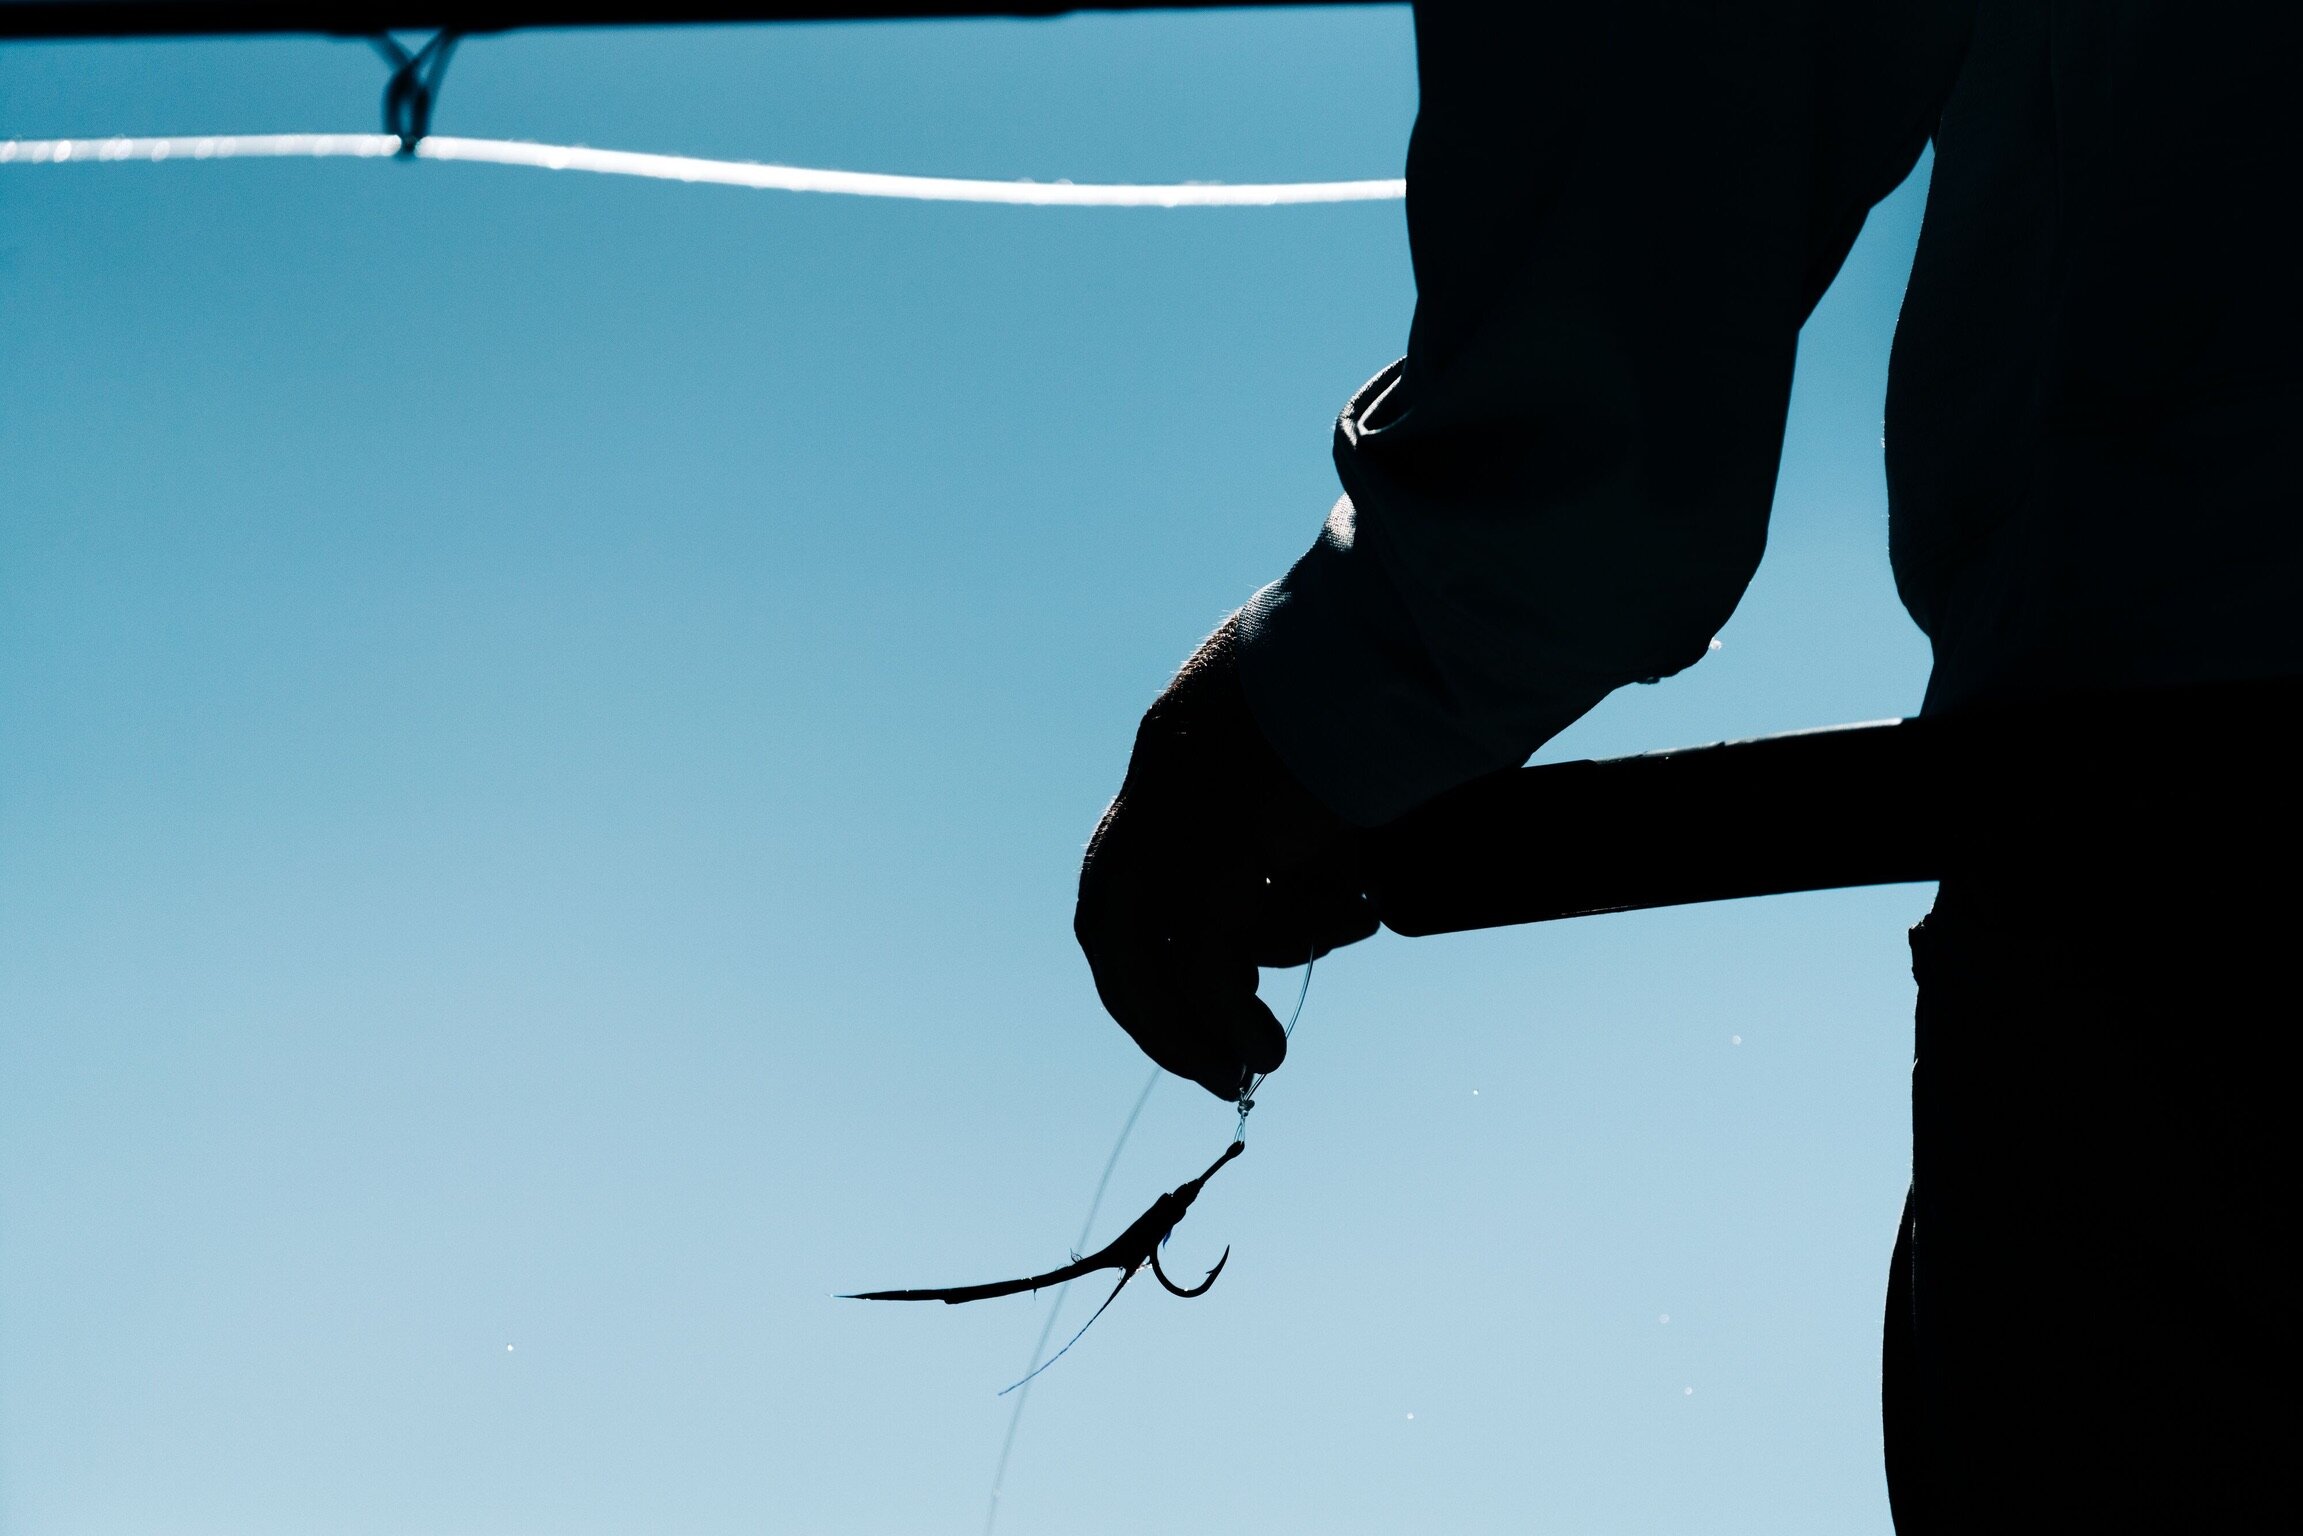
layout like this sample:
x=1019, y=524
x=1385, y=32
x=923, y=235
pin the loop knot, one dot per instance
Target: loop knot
x=414, y=86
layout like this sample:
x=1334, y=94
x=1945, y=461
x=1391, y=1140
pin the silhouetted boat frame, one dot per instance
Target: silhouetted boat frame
x=366, y=18
x=2091, y=775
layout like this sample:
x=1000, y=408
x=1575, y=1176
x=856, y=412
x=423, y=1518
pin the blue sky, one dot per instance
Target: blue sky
x=550, y=724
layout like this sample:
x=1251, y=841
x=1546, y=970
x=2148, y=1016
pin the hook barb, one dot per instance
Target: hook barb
x=1200, y=1289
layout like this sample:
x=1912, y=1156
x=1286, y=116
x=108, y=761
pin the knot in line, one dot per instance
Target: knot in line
x=414, y=86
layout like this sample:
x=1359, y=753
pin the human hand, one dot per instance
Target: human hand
x=1212, y=861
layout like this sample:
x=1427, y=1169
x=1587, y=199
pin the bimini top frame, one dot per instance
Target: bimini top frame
x=21, y=19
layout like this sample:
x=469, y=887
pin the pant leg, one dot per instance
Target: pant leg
x=1898, y=1401
x=2098, y=1334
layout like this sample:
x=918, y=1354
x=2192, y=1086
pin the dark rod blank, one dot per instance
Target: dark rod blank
x=1902, y=800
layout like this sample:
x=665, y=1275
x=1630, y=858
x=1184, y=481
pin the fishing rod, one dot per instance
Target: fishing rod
x=1853, y=805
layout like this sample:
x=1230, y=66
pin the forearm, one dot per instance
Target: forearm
x=1620, y=219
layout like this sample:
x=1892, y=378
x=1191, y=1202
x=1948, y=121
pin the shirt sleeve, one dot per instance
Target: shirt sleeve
x=1620, y=215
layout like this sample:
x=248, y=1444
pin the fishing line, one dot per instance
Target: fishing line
x=1055, y=1307
x=1246, y=1104
x=1022, y=1388
x=696, y=170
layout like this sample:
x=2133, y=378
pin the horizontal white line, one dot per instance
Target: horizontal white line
x=724, y=173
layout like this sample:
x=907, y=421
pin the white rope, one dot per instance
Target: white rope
x=688, y=168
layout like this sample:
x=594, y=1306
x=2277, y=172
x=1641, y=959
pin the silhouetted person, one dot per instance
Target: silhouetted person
x=1620, y=215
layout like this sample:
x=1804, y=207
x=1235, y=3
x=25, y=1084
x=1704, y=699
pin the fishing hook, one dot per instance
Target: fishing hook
x=1200, y=1289
x=1129, y=1252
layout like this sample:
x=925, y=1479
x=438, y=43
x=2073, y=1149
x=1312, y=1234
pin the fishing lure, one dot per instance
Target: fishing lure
x=1129, y=1253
